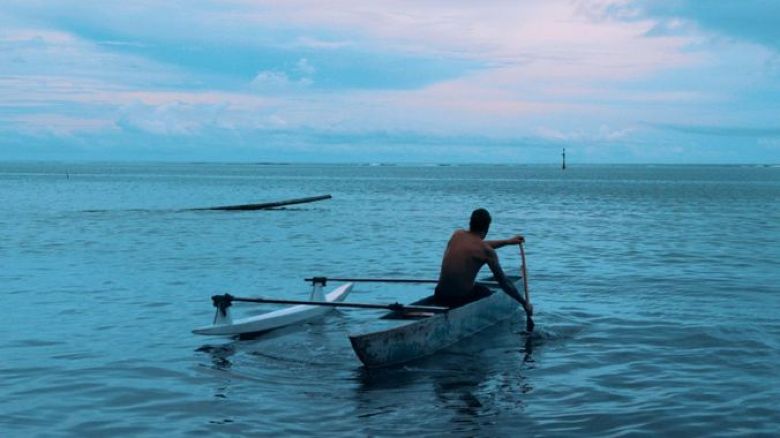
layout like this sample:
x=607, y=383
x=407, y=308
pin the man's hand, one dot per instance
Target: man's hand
x=515, y=240
x=529, y=309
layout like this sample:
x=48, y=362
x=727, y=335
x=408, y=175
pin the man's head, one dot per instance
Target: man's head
x=480, y=222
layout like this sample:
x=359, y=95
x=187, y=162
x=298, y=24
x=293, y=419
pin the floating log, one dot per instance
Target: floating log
x=266, y=205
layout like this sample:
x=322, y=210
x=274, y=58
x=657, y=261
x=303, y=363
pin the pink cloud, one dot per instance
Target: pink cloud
x=60, y=125
x=539, y=64
x=571, y=38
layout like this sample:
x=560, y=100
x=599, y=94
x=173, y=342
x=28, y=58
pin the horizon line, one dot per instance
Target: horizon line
x=381, y=163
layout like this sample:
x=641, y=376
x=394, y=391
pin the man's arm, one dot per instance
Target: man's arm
x=514, y=240
x=506, y=285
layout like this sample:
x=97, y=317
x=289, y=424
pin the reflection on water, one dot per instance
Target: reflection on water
x=262, y=343
x=220, y=355
x=471, y=381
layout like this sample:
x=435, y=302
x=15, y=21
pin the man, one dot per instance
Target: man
x=466, y=253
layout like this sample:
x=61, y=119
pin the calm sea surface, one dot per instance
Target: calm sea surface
x=657, y=293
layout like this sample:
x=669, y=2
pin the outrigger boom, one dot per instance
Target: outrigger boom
x=324, y=280
x=224, y=301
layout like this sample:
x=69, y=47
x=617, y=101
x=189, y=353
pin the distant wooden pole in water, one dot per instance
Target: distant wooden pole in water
x=563, y=164
x=265, y=206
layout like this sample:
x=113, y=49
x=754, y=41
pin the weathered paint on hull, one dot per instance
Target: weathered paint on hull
x=426, y=336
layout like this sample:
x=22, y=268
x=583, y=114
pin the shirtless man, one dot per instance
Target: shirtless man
x=466, y=253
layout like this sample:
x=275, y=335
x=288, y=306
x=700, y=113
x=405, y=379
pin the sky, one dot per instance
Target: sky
x=455, y=81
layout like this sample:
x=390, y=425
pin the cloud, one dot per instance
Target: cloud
x=169, y=119
x=304, y=68
x=36, y=61
x=320, y=44
x=751, y=20
x=770, y=144
x=270, y=81
x=604, y=133
x=274, y=82
x=43, y=124
x=722, y=131
x=382, y=74
x=557, y=32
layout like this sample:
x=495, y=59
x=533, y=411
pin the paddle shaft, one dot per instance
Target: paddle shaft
x=529, y=322
x=525, y=273
x=394, y=306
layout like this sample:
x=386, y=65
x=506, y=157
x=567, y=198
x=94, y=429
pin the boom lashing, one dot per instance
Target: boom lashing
x=317, y=283
x=222, y=303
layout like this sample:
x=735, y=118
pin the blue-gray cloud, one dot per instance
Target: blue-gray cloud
x=231, y=57
x=722, y=131
x=757, y=21
x=268, y=80
x=129, y=142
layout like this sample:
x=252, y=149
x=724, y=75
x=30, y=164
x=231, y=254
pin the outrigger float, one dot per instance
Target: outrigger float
x=224, y=325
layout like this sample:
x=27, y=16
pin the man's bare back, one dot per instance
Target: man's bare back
x=465, y=255
x=467, y=252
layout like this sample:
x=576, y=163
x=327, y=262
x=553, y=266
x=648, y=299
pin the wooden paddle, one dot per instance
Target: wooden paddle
x=529, y=322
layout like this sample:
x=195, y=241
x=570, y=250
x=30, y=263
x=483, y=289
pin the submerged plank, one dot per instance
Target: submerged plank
x=266, y=205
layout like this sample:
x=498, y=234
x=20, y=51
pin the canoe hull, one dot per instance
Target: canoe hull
x=277, y=318
x=422, y=337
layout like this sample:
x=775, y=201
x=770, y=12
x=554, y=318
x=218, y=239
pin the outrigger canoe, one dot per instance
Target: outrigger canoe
x=224, y=325
x=420, y=334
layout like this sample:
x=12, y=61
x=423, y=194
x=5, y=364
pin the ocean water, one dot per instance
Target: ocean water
x=656, y=288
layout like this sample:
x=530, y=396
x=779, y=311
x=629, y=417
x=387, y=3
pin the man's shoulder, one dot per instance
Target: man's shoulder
x=458, y=234
x=488, y=250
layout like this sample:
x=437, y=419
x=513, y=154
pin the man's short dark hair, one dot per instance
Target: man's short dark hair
x=480, y=220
